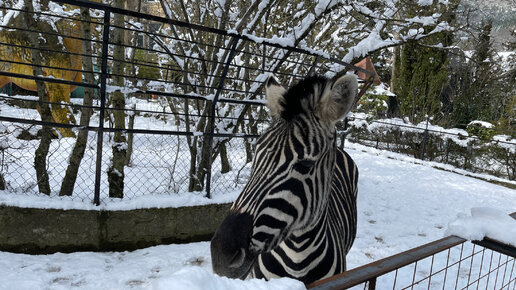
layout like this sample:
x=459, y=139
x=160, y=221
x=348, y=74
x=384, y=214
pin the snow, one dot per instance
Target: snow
x=424, y=20
x=402, y=203
x=11, y=14
x=381, y=89
x=485, y=222
x=425, y=2
x=175, y=267
x=125, y=90
x=195, y=278
x=481, y=124
x=371, y=43
x=283, y=41
x=139, y=202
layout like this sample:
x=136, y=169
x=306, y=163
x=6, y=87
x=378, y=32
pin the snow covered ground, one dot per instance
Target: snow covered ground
x=402, y=203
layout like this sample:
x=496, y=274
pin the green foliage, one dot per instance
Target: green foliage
x=149, y=62
x=460, y=108
x=484, y=66
x=373, y=104
x=421, y=67
x=422, y=77
x=507, y=121
x=482, y=132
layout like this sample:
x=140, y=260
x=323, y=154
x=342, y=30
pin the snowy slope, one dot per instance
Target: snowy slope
x=401, y=205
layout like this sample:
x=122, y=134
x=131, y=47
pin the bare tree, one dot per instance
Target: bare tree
x=77, y=154
x=116, y=168
x=40, y=158
x=347, y=29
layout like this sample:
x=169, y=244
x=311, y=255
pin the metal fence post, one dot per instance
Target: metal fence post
x=425, y=137
x=372, y=284
x=102, y=95
x=212, y=115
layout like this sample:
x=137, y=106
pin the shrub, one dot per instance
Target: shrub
x=482, y=130
x=449, y=146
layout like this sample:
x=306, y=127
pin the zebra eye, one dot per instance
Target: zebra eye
x=304, y=166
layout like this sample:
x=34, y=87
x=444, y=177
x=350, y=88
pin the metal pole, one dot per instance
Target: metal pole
x=212, y=115
x=372, y=284
x=424, y=140
x=103, y=77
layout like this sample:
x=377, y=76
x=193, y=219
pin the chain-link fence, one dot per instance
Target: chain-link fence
x=104, y=103
x=495, y=156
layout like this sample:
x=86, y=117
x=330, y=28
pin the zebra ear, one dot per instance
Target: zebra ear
x=274, y=93
x=336, y=103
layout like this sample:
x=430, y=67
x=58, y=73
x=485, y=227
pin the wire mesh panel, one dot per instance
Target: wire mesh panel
x=465, y=266
x=449, y=263
x=19, y=145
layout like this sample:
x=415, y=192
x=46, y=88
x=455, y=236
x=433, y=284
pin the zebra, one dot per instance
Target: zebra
x=297, y=215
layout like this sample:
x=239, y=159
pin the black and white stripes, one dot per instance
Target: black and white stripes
x=296, y=217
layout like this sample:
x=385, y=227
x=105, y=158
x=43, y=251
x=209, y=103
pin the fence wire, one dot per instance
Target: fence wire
x=472, y=153
x=448, y=263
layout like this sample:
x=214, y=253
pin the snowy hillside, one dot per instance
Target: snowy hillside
x=501, y=11
x=401, y=205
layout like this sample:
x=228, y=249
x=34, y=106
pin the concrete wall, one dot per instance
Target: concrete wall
x=31, y=230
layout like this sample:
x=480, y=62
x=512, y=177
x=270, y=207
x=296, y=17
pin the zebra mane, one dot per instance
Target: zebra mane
x=302, y=97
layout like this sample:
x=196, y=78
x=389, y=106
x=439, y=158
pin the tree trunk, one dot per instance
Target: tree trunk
x=2, y=181
x=393, y=109
x=130, y=137
x=192, y=181
x=134, y=41
x=224, y=160
x=82, y=137
x=192, y=146
x=204, y=161
x=116, y=169
x=253, y=129
x=40, y=158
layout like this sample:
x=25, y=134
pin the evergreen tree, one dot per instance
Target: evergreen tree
x=484, y=66
x=482, y=91
x=458, y=109
x=420, y=73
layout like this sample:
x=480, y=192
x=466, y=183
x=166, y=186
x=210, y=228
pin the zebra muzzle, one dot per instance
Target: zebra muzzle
x=238, y=259
x=230, y=253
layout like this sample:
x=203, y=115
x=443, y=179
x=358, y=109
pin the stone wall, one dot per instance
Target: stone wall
x=38, y=231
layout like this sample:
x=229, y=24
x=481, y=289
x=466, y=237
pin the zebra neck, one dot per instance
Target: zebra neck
x=311, y=234
x=320, y=203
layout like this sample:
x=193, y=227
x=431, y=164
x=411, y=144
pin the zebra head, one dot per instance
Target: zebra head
x=291, y=173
